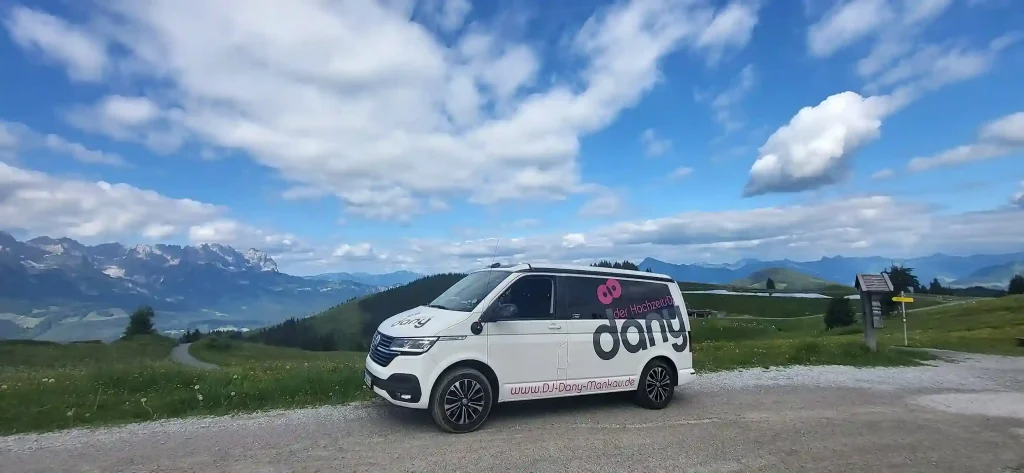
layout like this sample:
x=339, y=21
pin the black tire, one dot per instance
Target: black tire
x=468, y=396
x=656, y=386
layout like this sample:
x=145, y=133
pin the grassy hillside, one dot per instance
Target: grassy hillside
x=757, y=305
x=352, y=324
x=784, y=278
x=28, y=354
x=980, y=326
x=226, y=352
x=49, y=386
x=45, y=386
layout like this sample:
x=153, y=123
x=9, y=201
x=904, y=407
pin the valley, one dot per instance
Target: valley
x=57, y=289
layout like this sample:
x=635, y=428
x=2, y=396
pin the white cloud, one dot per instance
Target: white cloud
x=997, y=138
x=933, y=66
x=846, y=23
x=82, y=53
x=868, y=225
x=605, y=203
x=725, y=105
x=40, y=204
x=653, y=145
x=136, y=119
x=451, y=14
x=814, y=149
x=81, y=153
x=1018, y=198
x=883, y=174
x=81, y=209
x=731, y=28
x=899, y=58
x=680, y=173
x=353, y=100
x=127, y=111
x=357, y=252
x=15, y=137
x=8, y=136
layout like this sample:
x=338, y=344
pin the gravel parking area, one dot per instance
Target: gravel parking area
x=965, y=414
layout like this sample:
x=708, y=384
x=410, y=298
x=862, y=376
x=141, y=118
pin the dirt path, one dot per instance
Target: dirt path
x=181, y=355
x=947, y=417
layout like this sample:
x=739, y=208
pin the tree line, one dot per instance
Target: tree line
x=624, y=264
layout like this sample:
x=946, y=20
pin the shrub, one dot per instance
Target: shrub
x=839, y=313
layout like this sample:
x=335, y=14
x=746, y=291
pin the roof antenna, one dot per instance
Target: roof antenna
x=494, y=256
x=478, y=327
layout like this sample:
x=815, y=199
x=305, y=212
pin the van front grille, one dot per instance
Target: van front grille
x=381, y=353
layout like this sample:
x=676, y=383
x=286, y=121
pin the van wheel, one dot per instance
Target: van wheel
x=461, y=400
x=655, y=388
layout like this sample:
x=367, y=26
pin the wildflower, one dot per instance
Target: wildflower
x=197, y=386
x=234, y=377
x=3, y=386
x=46, y=379
x=200, y=396
x=51, y=380
x=232, y=393
x=143, y=399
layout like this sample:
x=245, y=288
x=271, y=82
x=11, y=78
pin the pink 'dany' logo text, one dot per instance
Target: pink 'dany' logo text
x=609, y=291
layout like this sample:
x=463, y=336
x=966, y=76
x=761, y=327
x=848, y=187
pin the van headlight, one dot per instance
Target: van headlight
x=413, y=344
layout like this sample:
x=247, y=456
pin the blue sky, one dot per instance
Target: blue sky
x=412, y=134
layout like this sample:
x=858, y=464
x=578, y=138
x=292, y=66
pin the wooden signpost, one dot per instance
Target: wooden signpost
x=903, y=300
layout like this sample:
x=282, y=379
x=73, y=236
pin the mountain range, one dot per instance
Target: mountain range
x=59, y=289
x=993, y=271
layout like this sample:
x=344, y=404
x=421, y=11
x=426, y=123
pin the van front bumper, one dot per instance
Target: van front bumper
x=400, y=387
x=396, y=382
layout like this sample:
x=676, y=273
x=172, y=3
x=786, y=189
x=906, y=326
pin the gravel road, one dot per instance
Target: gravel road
x=180, y=354
x=964, y=415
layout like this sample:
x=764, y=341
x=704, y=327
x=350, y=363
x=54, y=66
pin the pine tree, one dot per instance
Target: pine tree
x=1016, y=285
x=839, y=313
x=140, y=322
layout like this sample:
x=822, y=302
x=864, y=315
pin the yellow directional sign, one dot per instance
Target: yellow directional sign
x=902, y=299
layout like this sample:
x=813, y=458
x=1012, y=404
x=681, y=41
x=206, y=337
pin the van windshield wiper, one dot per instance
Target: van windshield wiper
x=437, y=306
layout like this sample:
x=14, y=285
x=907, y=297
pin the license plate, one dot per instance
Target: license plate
x=366, y=379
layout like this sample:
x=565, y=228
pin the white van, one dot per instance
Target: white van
x=530, y=332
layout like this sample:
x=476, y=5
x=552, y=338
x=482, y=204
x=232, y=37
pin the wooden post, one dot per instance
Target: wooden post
x=903, y=309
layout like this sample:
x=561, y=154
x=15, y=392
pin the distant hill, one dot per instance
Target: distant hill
x=785, y=279
x=841, y=269
x=995, y=276
x=386, y=279
x=350, y=325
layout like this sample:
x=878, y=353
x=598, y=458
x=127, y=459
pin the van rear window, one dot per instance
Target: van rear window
x=592, y=297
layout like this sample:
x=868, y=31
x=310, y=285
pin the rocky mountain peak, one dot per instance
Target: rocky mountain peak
x=262, y=260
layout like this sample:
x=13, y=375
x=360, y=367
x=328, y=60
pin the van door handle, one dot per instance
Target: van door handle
x=555, y=326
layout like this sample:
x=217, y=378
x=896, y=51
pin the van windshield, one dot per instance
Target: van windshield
x=466, y=294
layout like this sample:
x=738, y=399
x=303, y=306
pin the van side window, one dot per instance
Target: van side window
x=580, y=297
x=533, y=297
x=635, y=301
x=642, y=298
